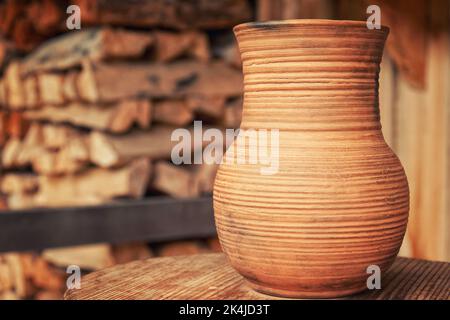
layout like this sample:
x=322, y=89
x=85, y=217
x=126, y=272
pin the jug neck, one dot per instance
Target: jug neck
x=312, y=75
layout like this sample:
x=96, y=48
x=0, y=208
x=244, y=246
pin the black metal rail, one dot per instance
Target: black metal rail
x=154, y=219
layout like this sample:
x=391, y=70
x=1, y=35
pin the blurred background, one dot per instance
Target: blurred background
x=86, y=117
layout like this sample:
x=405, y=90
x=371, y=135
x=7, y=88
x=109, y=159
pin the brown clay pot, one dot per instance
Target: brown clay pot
x=340, y=200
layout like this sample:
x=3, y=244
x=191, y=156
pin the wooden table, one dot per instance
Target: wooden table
x=209, y=276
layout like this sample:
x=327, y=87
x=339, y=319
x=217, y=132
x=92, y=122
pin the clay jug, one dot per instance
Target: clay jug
x=337, y=206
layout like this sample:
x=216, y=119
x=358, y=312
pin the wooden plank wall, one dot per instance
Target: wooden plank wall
x=414, y=104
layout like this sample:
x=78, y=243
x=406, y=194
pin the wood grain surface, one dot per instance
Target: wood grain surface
x=209, y=276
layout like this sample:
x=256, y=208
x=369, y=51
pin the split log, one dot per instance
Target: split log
x=7, y=52
x=6, y=283
x=89, y=257
x=123, y=253
x=11, y=152
x=117, y=118
x=58, y=136
x=22, y=288
x=3, y=126
x=69, y=86
x=170, y=45
x=15, y=97
x=19, y=183
x=50, y=86
x=42, y=274
x=31, y=91
x=233, y=114
x=3, y=94
x=181, y=248
x=17, y=125
x=70, y=49
x=17, y=201
x=171, y=14
x=212, y=106
x=100, y=82
x=111, y=150
x=173, y=112
x=95, y=185
x=31, y=146
x=174, y=180
x=70, y=159
x=28, y=23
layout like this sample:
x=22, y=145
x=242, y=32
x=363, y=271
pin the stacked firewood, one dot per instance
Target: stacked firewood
x=86, y=117
x=44, y=276
x=89, y=109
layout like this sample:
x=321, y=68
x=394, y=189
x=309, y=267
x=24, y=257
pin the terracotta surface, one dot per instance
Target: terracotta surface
x=340, y=199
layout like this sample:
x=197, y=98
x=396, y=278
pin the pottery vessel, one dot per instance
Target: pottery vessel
x=339, y=201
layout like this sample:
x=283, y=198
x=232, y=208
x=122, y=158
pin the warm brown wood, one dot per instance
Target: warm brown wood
x=28, y=23
x=124, y=253
x=31, y=92
x=210, y=276
x=50, y=87
x=108, y=150
x=10, y=152
x=173, y=14
x=88, y=257
x=116, y=117
x=7, y=51
x=19, y=183
x=174, y=180
x=14, y=89
x=17, y=125
x=171, y=45
x=173, y=112
x=94, y=186
x=116, y=81
x=387, y=99
x=70, y=49
x=211, y=106
x=232, y=114
x=407, y=21
x=204, y=177
x=68, y=160
x=31, y=145
x=41, y=273
x=181, y=248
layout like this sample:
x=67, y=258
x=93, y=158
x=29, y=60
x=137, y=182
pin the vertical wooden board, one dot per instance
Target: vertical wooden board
x=410, y=108
x=387, y=88
x=447, y=190
x=423, y=123
x=268, y=10
x=432, y=242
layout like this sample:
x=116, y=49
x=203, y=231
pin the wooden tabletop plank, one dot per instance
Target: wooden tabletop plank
x=209, y=276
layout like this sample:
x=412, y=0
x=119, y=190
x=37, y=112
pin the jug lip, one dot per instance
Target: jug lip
x=304, y=22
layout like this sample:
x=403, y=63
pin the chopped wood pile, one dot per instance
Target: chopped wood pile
x=86, y=117
x=43, y=276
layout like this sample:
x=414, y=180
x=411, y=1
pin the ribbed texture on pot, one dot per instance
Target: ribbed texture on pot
x=340, y=199
x=311, y=75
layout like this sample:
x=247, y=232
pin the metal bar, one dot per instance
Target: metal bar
x=153, y=220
